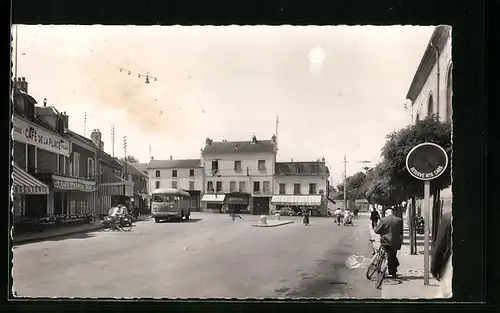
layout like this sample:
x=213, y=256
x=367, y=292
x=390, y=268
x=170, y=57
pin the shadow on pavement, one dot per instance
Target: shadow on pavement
x=84, y=235
x=191, y=220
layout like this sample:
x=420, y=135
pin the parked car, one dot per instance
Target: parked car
x=287, y=212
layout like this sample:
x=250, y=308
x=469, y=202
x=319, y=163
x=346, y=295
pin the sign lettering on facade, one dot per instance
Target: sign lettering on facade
x=34, y=190
x=73, y=185
x=25, y=132
x=426, y=161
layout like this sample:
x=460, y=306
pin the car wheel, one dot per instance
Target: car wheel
x=157, y=220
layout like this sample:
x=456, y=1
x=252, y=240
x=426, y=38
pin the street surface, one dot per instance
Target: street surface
x=209, y=256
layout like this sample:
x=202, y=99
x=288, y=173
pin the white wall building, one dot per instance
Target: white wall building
x=182, y=174
x=431, y=89
x=239, y=173
x=301, y=184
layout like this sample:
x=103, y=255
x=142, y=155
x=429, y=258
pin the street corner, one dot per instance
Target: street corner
x=273, y=223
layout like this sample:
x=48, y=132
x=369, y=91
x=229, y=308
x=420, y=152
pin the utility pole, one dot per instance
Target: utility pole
x=150, y=154
x=85, y=124
x=113, y=140
x=345, y=182
x=125, y=156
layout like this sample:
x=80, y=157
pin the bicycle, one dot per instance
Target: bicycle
x=110, y=224
x=377, y=265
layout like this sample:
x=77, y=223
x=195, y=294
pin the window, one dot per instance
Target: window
x=174, y=184
x=76, y=164
x=242, y=187
x=90, y=168
x=312, y=189
x=191, y=185
x=191, y=173
x=256, y=186
x=232, y=186
x=219, y=186
x=262, y=165
x=174, y=173
x=430, y=106
x=265, y=186
x=157, y=184
x=210, y=186
x=296, y=189
x=417, y=118
x=62, y=167
x=282, y=189
x=237, y=166
x=215, y=165
x=157, y=173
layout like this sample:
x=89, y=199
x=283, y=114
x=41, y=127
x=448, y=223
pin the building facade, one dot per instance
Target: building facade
x=141, y=181
x=180, y=174
x=239, y=173
x=431, y=91
x=301, y=184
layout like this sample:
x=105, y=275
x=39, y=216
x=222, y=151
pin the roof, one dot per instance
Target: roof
x=302, y=168
x=186, y=163
x=131, y=169
x=438, y=40
x=225, y=147
x=82, y=138
x=143, y=167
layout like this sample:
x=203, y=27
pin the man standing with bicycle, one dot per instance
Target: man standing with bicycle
x=390, y=229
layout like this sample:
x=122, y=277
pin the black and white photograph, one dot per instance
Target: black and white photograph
x=231, y=162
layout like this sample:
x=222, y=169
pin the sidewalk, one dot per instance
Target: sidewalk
x=63, y=231
x=410, y=284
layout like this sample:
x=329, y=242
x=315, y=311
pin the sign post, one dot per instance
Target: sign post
x=426, y=161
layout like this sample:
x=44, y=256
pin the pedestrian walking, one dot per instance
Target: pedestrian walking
x=356, y=211
x=374, y=217
x=441, y=264
x=390, y=230
x=338, y=216
x=235, y=212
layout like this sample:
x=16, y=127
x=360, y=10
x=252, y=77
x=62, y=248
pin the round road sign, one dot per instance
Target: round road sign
x=426, y=161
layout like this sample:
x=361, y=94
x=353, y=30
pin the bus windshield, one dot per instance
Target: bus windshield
x=164, y=198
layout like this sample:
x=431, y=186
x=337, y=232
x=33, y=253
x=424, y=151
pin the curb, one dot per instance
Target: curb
x=39, y=239
x=275, y=225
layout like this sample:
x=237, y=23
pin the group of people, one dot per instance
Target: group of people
x=390, y=229
x=344, y=217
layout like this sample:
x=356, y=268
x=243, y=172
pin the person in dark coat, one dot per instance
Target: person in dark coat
x=441, y=266
x=374, y=217
x=390, y=230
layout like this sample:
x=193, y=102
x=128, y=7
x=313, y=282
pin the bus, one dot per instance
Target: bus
x=169, y=203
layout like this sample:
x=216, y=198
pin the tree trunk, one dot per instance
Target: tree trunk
x=411, y=224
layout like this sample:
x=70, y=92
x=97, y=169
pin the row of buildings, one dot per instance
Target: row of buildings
x=244, y=174
x=57, y=171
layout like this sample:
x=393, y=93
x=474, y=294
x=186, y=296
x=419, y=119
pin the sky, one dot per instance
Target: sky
x=336, y=89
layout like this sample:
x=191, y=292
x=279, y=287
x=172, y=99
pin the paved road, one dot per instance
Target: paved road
x=210, y=256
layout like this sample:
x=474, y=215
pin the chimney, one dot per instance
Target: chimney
x=152, y=158
x=273, y=139
x=170, y=157
x=254, y=139
x=208, y=141
x=21, y=84
x=96, y=138
x=44, y=102
x=323, y=159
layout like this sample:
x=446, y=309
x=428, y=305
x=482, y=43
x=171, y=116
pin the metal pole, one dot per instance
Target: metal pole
x=345, y=182
x=427, y=192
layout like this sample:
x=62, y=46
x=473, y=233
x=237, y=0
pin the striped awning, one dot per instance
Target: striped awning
x=213, y=198
x=26, y=184
x=311, y=200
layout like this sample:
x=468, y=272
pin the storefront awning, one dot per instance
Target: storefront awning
x=26, y=184
x=213, y=198
x=312, y=200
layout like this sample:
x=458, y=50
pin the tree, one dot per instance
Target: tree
x=354, y=187
x=394, y=152
x=130, y=159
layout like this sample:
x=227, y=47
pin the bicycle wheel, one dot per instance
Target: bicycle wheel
x=381, y=272
x=91, y=220
x=105, y=226
x=127, y=226
x=372, y=268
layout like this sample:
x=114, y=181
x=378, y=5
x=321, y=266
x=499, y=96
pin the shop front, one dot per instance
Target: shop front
x=213, y=202
x=195, y=200
x=29, y=196
x=238, y=202
x=295, y=202
x=141, y=202
x=110, y=194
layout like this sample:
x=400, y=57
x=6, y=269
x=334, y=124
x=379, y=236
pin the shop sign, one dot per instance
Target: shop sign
x=73, y=185
x=426, y=161
x=28, y=133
